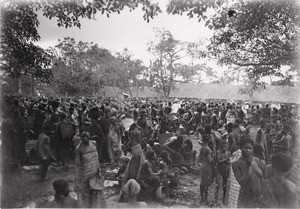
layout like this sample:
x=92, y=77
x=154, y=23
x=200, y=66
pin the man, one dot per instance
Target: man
x=134, y=144
x=283, y=144
x=278, y=191
x=44, y=149
x=86, y=170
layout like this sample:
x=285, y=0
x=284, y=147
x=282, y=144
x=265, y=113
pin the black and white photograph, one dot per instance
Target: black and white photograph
x=150, y=104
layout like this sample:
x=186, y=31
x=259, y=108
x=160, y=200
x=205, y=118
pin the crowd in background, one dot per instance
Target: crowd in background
x=128, y=133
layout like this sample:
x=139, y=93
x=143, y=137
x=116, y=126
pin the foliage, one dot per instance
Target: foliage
x=19, y=55
x=80, y=67
x=131, y=72
x=189, y=73
x=69, y=12
x=167, y=52
x=260, y=36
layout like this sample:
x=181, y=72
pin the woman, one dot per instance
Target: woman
x=174, y=147
x=248, y=173
x=206, y=168
x=149, y=179
x=262, y=140
x=113, y=139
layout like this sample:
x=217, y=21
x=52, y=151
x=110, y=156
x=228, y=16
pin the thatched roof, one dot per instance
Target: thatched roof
x=282, y=94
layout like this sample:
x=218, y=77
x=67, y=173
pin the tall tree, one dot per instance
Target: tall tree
x=81, y=67
x=261, y=36
x=189, y=73
x=131, y=72
x=19, y=56
x=167, y=52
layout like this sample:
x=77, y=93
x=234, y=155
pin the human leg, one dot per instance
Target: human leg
x=225, y=178
x=44, y=167
x=217, y=187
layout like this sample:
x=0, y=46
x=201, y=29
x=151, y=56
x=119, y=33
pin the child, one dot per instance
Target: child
x=62, y=199
x=223, y=169
x=206, y=168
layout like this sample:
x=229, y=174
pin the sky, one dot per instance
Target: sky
x=127, y=29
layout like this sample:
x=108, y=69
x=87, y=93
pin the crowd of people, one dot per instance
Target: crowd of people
x=151, y=142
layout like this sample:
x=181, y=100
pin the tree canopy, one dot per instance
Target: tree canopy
x=260, y=36
x=19, y=54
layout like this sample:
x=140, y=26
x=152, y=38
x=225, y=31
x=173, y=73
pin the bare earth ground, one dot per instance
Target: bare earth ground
x=22, y=188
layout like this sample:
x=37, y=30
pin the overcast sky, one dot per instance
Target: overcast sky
x=127, y=29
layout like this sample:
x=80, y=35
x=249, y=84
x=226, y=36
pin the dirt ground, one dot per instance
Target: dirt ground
x=22, y=188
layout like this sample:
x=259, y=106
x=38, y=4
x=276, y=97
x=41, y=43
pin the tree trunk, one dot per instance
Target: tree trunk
x=32, y=86
x=19, y=85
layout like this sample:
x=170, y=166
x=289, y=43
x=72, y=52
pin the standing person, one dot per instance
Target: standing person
x=44, y=149
x=206, y=168
x=283, y=143
x=98, y=136
x=261, y=139
x=134, y=143
x=86, y=169
x=232, y=138
x=163, y=122
x=67, y=130
x=104, y=124
x=230, y=115
x=223, y=169
x=113, y=139
x=248, y=173
x=40, y=117
x=278, y=191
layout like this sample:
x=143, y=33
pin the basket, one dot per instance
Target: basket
x=195, y=169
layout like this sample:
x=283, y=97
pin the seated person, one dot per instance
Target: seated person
x=148, y=179
x=188, y=153
x=151, y=145
x=61, y=197
x=174, y=147
x=131, y=190
x=121, y=161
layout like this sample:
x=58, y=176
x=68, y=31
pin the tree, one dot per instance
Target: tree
x=81, y=67
x=131, y=72
x=189, y=73
x=260, y=36
x=167, y=52
x=19, y=56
